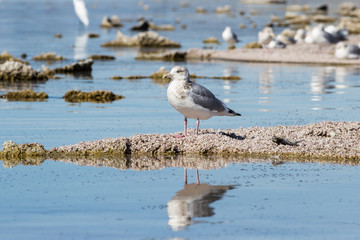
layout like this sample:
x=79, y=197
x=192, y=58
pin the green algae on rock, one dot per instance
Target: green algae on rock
x=99, y=96
x=142, y=39
x=25, y=95
x=211, y=40
x=51, y=56
x=13, y=150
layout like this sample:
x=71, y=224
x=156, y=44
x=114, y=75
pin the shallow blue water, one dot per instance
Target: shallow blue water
x=66, y=201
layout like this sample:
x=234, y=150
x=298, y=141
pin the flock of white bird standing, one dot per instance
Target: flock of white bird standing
x=319, y=34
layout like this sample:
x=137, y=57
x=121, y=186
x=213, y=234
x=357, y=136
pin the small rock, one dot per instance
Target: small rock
x=101, y=57
x=93, y=35
x=224, y=9
x=51, y=56
x=58, y=35
x=25, y=95
x=201, y=10
x=211, y=40
x=111, y=22
x=80, y=66
x=143, y=39
x=99, y=96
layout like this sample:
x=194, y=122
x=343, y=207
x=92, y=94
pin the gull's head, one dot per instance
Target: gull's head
x=178, y=72
x=227, y=28
x=269, y=31
x=340, y=45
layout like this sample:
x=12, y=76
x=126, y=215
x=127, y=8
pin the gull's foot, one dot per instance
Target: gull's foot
x=179, y=136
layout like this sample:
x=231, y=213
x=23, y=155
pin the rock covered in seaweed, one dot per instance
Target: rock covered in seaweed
x=99, y=96
x=16, y=71
x=142, y=39
x=25, y=95
x=50, y=56
x=26, y=150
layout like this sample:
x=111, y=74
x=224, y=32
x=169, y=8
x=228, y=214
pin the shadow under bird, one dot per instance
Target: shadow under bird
x=193, y=100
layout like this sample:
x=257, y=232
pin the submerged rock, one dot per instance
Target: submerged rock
x=143, y=39
x=165, y=56
x=16, y=71
x=101, y=57
x=25, y=95
x=211, y=40
x=80, y=66
x=167, y=27
x=51, y=56
x=99, y=96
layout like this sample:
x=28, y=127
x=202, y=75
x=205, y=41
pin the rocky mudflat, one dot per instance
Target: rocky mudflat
x=323, y=141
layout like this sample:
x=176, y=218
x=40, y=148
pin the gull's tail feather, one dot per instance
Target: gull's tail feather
x=233, y=113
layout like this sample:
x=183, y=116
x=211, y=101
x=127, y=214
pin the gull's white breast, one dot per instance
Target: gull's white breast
x=178, y=94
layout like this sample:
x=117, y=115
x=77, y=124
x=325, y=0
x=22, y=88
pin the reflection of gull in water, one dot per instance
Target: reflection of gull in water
x=266, y=80
x=193, y=201
x=80, y=51
x=329, y=78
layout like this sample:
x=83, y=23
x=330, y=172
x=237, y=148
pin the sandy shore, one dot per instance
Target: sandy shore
x=324, y=141
x=301, y=53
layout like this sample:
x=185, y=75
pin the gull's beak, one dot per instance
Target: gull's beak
x=169, y=76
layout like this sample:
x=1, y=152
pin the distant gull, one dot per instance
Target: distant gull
x=265, y=36
x=229, y=37
x=274, y=43
x=350, y=51
x=319, y=35
x=193, y=100
x=81, y=11
x=300, y=35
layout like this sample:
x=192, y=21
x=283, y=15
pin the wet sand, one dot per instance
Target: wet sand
x=301, y=53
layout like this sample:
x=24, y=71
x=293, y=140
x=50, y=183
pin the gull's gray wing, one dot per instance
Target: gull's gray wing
x=203, y=97
x=353, y=49
x=329, y=37
x=235, y=37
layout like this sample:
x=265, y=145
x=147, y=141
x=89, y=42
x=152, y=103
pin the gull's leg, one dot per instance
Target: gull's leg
x=197, y=177
x=197, y=126
x=185, y=176
x=185, y=126
x=185, y=129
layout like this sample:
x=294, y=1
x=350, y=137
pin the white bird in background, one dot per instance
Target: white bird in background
x=349, y=51
x=81, y=11
x=265, y=36
x=193, y=100
x=229, y=37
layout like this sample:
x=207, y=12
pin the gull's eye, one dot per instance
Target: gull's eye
x=178, y=71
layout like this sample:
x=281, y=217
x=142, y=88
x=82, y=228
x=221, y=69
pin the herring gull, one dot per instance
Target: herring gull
x=193, y=100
